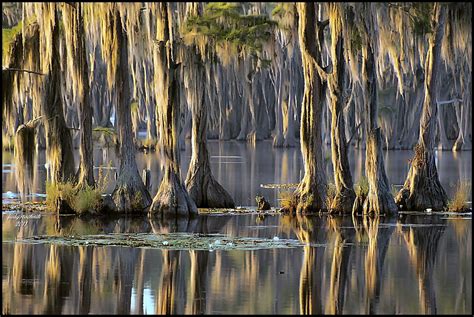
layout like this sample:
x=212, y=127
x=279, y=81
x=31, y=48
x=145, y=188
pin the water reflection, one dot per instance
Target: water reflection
x=422, y=245
x=348, y=265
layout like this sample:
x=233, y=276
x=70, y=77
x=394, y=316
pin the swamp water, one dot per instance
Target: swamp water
x=239, y=263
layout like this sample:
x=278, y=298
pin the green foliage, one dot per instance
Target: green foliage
x=459, y=201
x=420, y=16
x=362, y=186
x=225, y=23
x=7, y=38
x=356, y=40
x=88, y=198
x=279, y=10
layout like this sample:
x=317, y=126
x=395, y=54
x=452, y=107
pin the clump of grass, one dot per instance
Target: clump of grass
x=87, y=198
x=288, y=200
x=330, y=194
x=59, y=191
x=80, y=199
x=362, y=187
x=459, y=201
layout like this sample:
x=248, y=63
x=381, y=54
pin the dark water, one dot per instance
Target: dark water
x=405, y=264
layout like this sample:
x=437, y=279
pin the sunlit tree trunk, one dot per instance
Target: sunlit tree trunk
x=74, y=20
x=130, y=194
x=422, y=188
x=345, y=195
x=200, y=183
x=379, y=198
x=172, y=198
x=311, y=192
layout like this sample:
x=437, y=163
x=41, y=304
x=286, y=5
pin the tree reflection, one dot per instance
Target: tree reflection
x=343, y=234
x=422, y=243
x=310, y=285
x=379, y=239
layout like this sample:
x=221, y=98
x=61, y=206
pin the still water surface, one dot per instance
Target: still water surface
x=405, y=264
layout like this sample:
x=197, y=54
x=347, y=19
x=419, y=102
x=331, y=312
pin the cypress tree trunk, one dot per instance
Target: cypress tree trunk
x=345, y=195
x=379, y=198
x=85, y=173
x=58, y=137
x=172, y=199
x=311, y=193
x=422, y=188
x=200, y=183
x=130, y=194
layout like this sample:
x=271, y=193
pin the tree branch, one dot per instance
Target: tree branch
x=22, y=70
x=354, y=133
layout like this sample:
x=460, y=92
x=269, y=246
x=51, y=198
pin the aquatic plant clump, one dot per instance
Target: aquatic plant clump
x=170, y=241
x=459, y=201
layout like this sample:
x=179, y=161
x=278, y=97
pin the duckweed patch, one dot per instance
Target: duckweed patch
x=169, y=241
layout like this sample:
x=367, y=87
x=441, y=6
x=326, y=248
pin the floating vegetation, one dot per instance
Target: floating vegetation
x=29, y=206
x=233, y=211
x=285, y=186
x=169, y=241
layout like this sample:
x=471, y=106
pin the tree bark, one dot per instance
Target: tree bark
x=86, y=164
x=200, y=183
x=379, y=198
x=345, y=195
x=58, y=137
x=172, y=199
x=311, y=192
x=130, y=194
x=422, y=188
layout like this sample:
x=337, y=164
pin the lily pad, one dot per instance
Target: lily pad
x=168, y=241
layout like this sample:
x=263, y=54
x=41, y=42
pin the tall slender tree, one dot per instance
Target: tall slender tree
x=422, y=188
x=172, y=198
x=311, y=192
